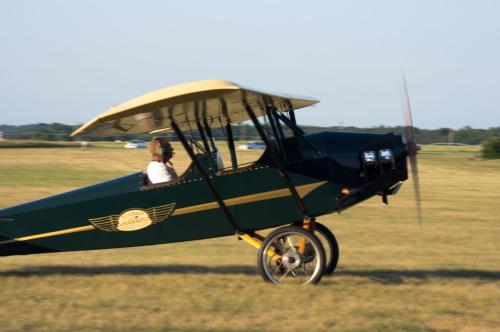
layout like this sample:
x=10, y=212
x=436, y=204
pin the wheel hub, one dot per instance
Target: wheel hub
x=291, y=260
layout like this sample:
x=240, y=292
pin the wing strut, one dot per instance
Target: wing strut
x=297, y=131
x=291, y=112
x=278, y=133
x=200, y=127
x=207, y=129
x=229, y=133
x=230, y=144
x=204, y=175
x=276, y=160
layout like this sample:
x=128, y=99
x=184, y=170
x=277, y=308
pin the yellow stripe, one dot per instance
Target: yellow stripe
x=303, y=191
x=42, y=235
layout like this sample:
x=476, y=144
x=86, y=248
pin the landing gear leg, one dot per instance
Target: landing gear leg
x=328, y=241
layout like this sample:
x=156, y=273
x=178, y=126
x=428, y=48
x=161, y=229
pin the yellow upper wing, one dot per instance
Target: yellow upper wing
x=215, y=101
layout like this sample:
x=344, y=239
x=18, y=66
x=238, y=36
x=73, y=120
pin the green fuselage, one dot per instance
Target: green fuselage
x=256, y=196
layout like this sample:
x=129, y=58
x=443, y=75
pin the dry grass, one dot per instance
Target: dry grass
x=392, y=275
x=36, y=144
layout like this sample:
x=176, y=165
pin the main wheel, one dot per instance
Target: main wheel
x=291, y=255
x=330, y=245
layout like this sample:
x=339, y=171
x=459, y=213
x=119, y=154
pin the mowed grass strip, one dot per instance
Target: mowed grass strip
x=392, y=275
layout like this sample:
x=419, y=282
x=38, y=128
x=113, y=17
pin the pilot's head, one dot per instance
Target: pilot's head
x=160, y=149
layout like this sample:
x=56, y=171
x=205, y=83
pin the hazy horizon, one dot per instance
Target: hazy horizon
x=300, y=124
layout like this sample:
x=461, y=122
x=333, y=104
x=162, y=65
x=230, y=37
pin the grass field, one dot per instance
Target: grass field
x=392, y=275
x=36, y=144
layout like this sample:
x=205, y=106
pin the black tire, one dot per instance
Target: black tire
x=330, y=245
x=285, y=270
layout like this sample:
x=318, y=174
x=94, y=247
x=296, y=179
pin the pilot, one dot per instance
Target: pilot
x=160, y=168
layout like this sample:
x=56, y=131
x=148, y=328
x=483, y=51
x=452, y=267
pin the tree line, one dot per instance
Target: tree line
x=61, y=132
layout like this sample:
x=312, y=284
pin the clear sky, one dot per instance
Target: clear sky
x=67, y=61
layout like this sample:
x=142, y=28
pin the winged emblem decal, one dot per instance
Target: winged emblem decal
x=133, y=219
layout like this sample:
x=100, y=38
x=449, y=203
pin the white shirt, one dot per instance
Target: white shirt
x=158, y=173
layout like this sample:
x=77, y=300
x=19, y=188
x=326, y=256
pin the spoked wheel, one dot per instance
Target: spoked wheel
x=291, y=255
x=330, y=246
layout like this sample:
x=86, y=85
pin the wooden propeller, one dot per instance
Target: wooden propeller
x=412, y=148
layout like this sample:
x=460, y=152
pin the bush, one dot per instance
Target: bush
x=491, y=148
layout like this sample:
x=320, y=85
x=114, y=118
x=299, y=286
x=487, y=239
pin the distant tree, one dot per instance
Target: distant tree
x=491, y=148
x=61, y=132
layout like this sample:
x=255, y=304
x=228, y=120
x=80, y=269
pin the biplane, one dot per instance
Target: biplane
x=297, y=178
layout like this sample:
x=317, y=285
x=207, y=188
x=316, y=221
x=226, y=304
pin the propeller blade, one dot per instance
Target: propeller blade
x=416, y=187
x=411, y=147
